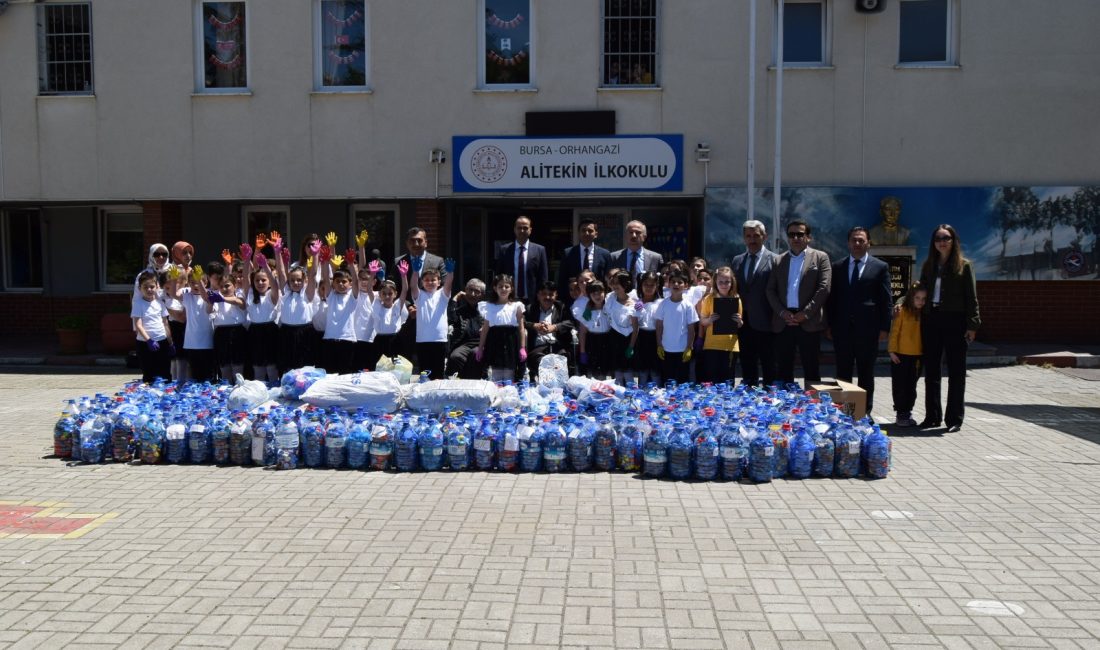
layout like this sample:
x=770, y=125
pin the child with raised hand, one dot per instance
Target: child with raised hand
x=431, y=315
x=340, y=303
x=297, y=304
x=262, y=302
x=624, y=327
x=594, y=356
x=503, y=342
x=584, y=278
x=388, y=313
x=905, y=349
x=183, y=254
x=717, y=358
x=675, y=330
x=199, y=338
x=230, y=314
x=703, y=285
x=154, y=340
x=647, y=367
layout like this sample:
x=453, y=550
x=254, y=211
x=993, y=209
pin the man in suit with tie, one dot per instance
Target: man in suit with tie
x=585, y=256
x=416, y=246
x=525, y=261
x=635, y=258
x=859, y=310
x=797, y=291
x=753, y=268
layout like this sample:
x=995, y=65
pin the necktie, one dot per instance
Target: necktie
x=632, y=264
x=852, y=299
x=855, y=274
x=750, y=267
x=521, y=274
x=585, y=265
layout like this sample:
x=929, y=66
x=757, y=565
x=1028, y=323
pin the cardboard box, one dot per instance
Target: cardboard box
x=850, y=398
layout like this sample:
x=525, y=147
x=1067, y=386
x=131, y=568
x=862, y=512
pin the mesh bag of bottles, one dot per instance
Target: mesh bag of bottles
x=296, y=382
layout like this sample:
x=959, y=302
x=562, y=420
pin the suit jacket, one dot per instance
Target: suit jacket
x=754, y=292
x=465, y=322
x=866, y=305
x=813, y=289
x=430, y=262
x=537, y=268
x=651, y=260
x=559, y=316
x=571, y=263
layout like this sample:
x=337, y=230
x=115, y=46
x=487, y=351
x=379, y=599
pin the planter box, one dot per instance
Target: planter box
x=117, y=331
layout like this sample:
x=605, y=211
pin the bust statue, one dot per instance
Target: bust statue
x=890, y=232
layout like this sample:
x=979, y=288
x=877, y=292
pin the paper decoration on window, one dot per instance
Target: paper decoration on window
x=351, y=19
x=351, y=58
x=504, y=24
x=510, y=61
x=231, y=64
x=220, y=24
x=226, y=46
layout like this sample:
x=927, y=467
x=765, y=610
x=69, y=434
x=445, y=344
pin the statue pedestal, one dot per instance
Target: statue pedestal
x=901, y=260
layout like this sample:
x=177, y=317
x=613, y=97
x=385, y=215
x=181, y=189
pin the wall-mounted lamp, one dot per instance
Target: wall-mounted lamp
x=437, y=156
x=702, y=152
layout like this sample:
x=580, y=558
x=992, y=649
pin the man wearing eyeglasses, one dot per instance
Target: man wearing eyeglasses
x=797, y=291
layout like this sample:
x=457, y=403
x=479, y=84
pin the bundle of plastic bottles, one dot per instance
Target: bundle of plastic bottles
x=685, y=432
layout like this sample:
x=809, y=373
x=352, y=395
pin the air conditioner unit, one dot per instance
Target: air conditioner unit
x=870, y=6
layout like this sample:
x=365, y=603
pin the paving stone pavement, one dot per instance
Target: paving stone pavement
x=985, y=538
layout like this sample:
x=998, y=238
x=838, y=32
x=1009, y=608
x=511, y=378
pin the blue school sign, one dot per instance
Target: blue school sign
x=625, y=163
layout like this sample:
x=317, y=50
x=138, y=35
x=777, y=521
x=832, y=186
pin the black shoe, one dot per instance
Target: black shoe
x=928, y=424
x=954, y=428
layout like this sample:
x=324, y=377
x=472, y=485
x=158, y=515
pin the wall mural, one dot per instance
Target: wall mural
x=1009, y=233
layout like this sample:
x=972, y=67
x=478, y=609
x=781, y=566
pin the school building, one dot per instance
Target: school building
x=126, y=123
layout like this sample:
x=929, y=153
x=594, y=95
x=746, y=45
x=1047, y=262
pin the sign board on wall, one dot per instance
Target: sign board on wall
x=625, y=163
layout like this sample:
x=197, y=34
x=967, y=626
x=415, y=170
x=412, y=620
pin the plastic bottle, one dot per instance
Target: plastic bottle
x=530, y=447
x=240, y=439
x=219, y=439
x=846, y=459
x=507, y=434
x=628, y=448
x=606, y=443
x=553, y=444
x=358, y=442
x=707, y=450
x=151, y=439
x=780, y=434
x=734, y=452
x=198, y=440
x=431, y=443
x=458, y=447
x=879, y=449
x=655, y=451
x=175, y=439
x=485, y=446
x=381, y=444
x=66, y=431
x=286, y=444
x=801, y=454
x=761, y=458
x=122, y=434
x=405, y=454
x=579, y=443
x=680, y=447
x=263, y=440
x=311, y=435
x=336, y=438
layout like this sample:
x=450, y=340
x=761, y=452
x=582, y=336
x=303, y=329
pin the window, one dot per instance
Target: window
x=22, y=238
x=123, y=251
x=380, y=222
x=263, y=219
x=506, y=39
x=221, y=33
x=629, y=43
x=926, y=32
x=340, y=57
x=65, y=49
x=805, y=33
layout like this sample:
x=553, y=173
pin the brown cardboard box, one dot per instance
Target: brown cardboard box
x=850, y=398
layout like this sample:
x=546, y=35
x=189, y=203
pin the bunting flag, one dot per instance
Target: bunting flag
x=226, y=46
x=493, y=20
x=219, y=24
x=351, y=58
x=510, y=61
x=231, y=64
x=350, y=20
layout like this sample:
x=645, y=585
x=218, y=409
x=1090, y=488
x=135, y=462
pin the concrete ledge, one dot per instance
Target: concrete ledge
x=1062, y=360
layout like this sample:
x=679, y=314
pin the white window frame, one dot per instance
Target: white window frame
x=200, y=49
x=287, y=235
x=952, y=40
x=658, y=19
x=43, y=64
x=6, y=242
x=826, y=37
x=532, y=23
x=104, y=218
x=319, y=55
x=393, y=209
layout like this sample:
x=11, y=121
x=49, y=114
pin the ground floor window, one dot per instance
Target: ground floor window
x=22, y=249
x=263, y=219
x=380, y=222
x=122, y=248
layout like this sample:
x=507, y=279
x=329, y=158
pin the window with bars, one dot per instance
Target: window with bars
x=65, y=49
x=629, y=43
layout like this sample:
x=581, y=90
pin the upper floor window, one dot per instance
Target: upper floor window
x=65, y=49
x=221, y=32
x=340, y=55
x=629, y=43
x=805, y=33
x=22, y=249
x=927, y=32
x=507, y=40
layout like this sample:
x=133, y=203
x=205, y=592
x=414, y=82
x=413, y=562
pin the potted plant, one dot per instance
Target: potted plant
x=72, y=334
x=117, y=331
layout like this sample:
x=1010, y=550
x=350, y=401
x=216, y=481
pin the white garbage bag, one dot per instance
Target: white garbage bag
x=369, y=390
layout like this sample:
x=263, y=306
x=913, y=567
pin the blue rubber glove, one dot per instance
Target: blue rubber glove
x=583, y=358
x=153, y=345
x=214, y=297
x=381, y=275
x=417, y=264
x=449, y=265
x=171, y=349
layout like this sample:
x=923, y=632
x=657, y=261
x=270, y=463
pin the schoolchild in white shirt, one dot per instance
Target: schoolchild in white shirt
x=198, y=338
x=261, y=305
x=624, y=327
x=154, y=339
x=647, y=366
x=503, y=342
x=431, y=314
x=594, y=323
x=675, y=330
x=297, y=305
x=338, y=342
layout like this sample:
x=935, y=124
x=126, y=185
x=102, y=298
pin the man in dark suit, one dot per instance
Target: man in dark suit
x=416, y=245
x=797, y=291
x=586, y=255
x=464, y=321
x=859, y=311
x=549, y=328
x=525, y=261
x=752, y=270
x=635, y=258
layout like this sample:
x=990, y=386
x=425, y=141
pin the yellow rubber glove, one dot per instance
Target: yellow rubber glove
x=173, y=272
x=331, y=238
x=337, y=260
x=309, y=262
x=661, y=352
x=197, y=273
x=687, y=355
x=362, y=238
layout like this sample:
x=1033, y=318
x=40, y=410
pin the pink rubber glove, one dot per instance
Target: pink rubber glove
x=478, y=353
x=374, y=267
x=315, y=247
x=286, y=257
x=522, y=355
x=246, y=252
x=403, y=267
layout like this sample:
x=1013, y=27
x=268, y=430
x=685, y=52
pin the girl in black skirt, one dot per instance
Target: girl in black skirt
x=503, y=344
x=261, y=300
x=646, y=363
x=595, y=346
x=297, y=305
x=624, y=327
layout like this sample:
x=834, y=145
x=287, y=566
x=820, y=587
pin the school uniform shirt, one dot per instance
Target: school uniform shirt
x=506, y=315
x=675, y=319
x=647, y=315
x=577, y=307
x=172, y=304
x=620, y=315
x=226, y=315
x=598, y=321
x=364, y=325
x=694, y=294
x=431, y=316
x=388, y=320
x=295, y=309
x=340, y=317
x=199, y=334
x=260, y=312
x=152, y=315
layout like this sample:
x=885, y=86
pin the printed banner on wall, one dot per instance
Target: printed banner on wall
x=632, y=163
x=1008, y=233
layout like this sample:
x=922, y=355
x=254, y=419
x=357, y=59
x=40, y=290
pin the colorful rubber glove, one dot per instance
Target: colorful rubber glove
x=449, y=265
x=629, y=353
x=261, y=240
x=309, y=262
x=661, y=352
x=261, y=261
x=196, y=273
x=246, y=252
x=522, y=355
x=351, y=256
x=275, y=239
x=337, y=260
x=362, y=238
x=687, y=356
x=478, y=353
x=152, y=345
x=381, y=275
x=286, y=257
x=374, y=267
x=403, y=267
x=227, y=256
x=214, y=297
x=587, y=314
x=417, y=264
x=173, y=272
x=326, y=253
x=315, y=247
x=582, y=358
x=171, y=349
x=639, y=305
x=698, y=343
x=331, y=238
